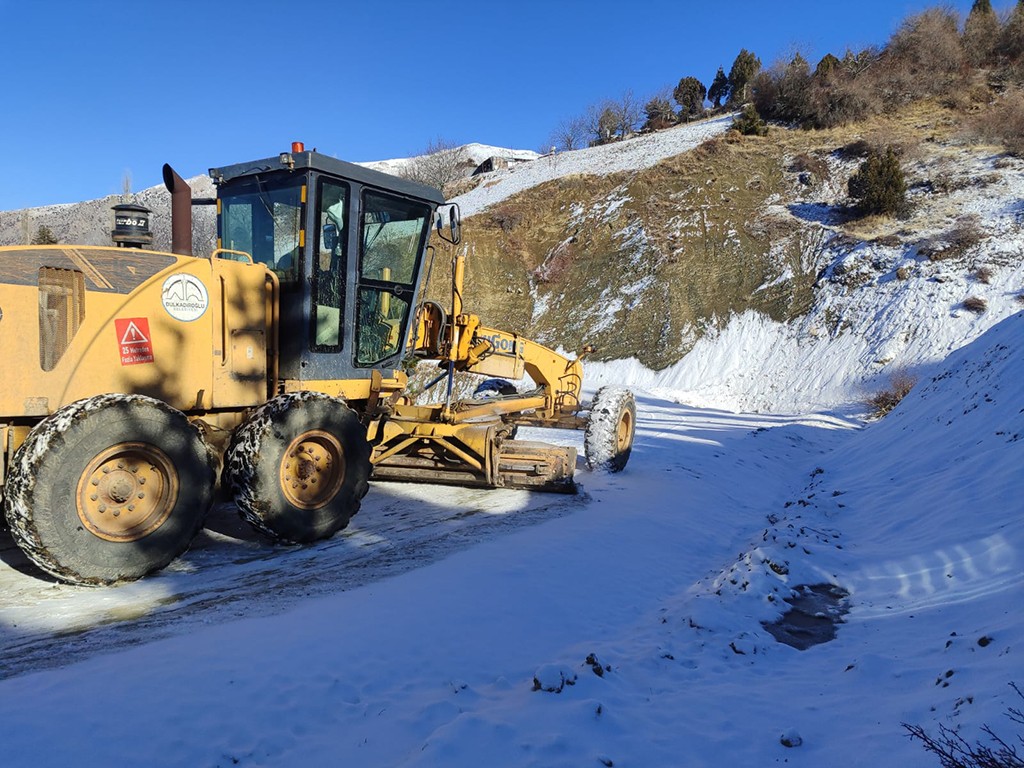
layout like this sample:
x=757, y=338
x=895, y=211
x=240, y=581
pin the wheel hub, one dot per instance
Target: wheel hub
x=312, y=470
x=127, y=492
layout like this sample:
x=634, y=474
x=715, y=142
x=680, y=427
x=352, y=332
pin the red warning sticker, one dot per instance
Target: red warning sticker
x=134, y=339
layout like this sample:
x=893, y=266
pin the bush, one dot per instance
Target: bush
x=900, y=384
x=967, y=232
x=1004, y=123
x=975, y=304
x=983, y=275
x=749, y=122
x=954, y=751
x=878, y=186
x=924, y=58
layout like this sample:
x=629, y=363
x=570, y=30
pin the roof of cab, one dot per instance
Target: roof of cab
x=332, y=166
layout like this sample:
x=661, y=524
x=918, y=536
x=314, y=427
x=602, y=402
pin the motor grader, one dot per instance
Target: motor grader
x=275, y=367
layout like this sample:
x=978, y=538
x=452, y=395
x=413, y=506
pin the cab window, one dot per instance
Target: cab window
x=329, y=266
x=393, y=232
x=265, y=222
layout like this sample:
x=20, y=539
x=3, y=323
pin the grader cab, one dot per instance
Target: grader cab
x=276, y=365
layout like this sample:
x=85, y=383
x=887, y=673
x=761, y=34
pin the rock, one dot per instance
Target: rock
x=790, y=739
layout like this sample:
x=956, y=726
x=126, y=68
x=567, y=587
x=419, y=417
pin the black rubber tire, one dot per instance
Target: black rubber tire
x=46, y=499
x=259, y=466
x=494, y=388
x=610, y=431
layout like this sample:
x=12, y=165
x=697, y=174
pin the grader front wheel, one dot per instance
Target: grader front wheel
x=299, y=466
x=610, y=430
x=109, y=489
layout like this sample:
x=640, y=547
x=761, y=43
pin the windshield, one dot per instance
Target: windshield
x=264, y=222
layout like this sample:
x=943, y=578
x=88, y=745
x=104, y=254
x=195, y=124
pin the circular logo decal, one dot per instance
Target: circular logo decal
x=184, y=297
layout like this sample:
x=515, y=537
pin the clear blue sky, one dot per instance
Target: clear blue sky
x=93, y=88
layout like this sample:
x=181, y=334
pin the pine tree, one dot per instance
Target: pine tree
x=689, y=95
x=981, y=34
x=744, y=67
x=44, y=236
x=878, y=186
x=720, y=87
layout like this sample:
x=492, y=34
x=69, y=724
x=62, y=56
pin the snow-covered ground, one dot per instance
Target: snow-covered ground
x=634, y=153
x=659, y=577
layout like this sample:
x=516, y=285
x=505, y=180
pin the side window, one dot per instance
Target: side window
x=329, y=266
x=392, y=236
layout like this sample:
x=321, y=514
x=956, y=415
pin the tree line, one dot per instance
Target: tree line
x=931, y=55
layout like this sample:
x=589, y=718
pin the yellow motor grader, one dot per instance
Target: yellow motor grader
x=136, y=379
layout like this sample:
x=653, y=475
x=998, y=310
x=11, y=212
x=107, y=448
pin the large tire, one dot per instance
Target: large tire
x=109, y=489
x=298, y=466
x=610, y=430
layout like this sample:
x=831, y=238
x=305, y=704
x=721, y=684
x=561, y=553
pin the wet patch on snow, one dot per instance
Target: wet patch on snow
x=815, y=611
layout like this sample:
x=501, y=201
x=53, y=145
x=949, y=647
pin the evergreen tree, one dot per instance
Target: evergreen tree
x=827, y=67
x=720, y=87
x=44, y=236
x=659, y=114
x=749, y=122
x=981, y=34
x=1011, y=38
x=744, y=67
x=878, y=186
x=689, y=95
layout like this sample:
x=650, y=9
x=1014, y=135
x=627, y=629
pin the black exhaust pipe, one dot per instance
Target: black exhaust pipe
x=181, y=212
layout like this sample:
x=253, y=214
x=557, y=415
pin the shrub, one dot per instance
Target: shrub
x=1004, y=122
x=878, y=186
x=749, y=122
x=954, y=751
x=975, y=304
x=805, y=163
x=983, y=275
x=924, y=58
x=965, y=234
x=900, y=384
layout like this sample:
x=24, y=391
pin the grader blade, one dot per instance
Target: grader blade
x=474, y=456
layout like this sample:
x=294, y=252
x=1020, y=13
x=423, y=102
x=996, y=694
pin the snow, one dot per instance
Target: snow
x=631, y=154
x=449, y=662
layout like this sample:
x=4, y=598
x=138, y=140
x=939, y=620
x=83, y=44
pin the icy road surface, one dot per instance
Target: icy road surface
x=232, y=572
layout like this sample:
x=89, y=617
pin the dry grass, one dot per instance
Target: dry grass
x=983, y=275
x=900, y=384
x=975, y=304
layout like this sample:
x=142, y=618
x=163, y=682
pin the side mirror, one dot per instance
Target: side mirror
x=454, y=234
x=329, y=236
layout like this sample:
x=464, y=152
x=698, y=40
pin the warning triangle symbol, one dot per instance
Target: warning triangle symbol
x=132, y=335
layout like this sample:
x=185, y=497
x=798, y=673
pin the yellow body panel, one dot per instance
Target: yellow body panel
x=189, y=331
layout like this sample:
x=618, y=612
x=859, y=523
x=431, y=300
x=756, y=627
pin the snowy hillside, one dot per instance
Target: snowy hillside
x=853, y=304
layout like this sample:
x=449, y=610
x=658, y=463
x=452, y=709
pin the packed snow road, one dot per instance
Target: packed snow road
x=232, y=572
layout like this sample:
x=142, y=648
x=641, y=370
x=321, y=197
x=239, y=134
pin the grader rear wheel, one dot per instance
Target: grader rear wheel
x=299, y=466
x=109, y=489
x=609, y=436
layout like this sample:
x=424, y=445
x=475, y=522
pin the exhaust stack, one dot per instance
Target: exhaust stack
x=181, y=212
